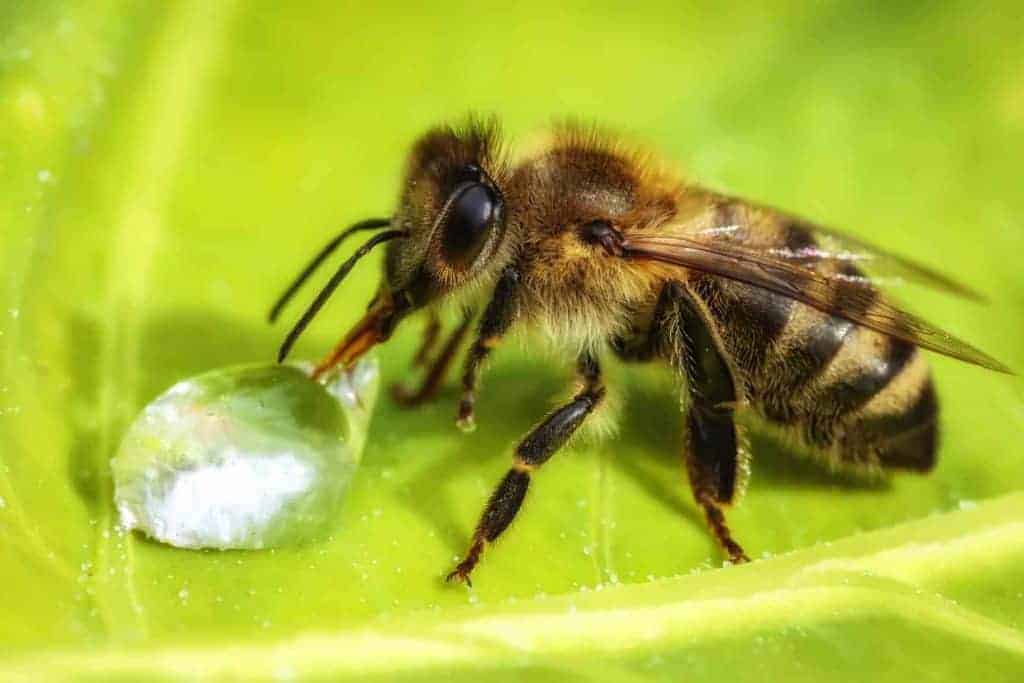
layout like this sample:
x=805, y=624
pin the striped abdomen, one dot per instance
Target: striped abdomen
x=861, y=397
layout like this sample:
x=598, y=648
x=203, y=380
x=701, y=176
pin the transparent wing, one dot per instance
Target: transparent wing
x=852, y=299
x=884, y=266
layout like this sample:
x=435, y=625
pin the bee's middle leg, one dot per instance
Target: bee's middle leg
x=438, y=368
x=531, y=453
x=430, y=334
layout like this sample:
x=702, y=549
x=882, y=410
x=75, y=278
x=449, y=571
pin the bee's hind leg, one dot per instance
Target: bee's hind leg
x=712, y=437
x=438, y=368
x=713, y=465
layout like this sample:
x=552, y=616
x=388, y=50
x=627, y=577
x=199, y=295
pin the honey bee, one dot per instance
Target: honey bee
x=612, y=253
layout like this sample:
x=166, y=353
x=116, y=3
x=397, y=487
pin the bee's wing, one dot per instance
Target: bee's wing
x=832, y=245
x=851, y=299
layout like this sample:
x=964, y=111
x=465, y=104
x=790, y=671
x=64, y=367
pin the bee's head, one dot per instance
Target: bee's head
x=447, y=233
x=452, y=208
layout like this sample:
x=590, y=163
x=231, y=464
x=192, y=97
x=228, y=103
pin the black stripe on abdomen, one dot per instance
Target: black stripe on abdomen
x=808, y=357
x=916, y=449
x=853, y=388
x=923, y=409
x=749, y=318
x=811, y=354
x=906, y=439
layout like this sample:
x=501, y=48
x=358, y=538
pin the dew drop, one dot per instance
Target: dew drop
x=247, y=457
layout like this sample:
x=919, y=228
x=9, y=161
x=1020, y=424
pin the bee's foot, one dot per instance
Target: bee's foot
x=461, y=573
x=407, y=398
x=466, y=420
x=736, y=553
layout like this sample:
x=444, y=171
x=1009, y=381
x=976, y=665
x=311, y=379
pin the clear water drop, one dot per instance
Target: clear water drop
x=247, y=457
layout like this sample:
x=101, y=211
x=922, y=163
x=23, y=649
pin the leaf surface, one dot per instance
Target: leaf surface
x=167, y=167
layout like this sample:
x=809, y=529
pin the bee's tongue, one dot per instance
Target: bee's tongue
x=374, y=328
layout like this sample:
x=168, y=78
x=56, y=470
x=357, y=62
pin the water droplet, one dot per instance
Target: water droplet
x=245, y=457
x=45, y=176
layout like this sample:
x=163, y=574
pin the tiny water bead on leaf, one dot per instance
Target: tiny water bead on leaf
x=249, y=457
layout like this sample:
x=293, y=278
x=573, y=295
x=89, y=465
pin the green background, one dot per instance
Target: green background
x=166, y=167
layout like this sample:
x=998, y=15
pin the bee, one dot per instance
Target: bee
x=609, y=251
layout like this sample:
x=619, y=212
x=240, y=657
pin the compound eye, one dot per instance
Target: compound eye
x=472, y=214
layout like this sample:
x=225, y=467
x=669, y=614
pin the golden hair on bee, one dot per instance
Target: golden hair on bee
x=603, y=249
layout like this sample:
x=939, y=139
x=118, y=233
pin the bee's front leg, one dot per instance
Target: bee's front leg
x=439, y=367
x=532, y=452
x=499, y=315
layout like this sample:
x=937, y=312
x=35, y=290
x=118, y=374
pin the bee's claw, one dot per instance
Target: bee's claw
x=737, y=556
x=463, y=569
x=460, y=573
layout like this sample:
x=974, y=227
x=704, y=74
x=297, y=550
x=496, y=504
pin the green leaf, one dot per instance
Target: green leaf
x=166, y=167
